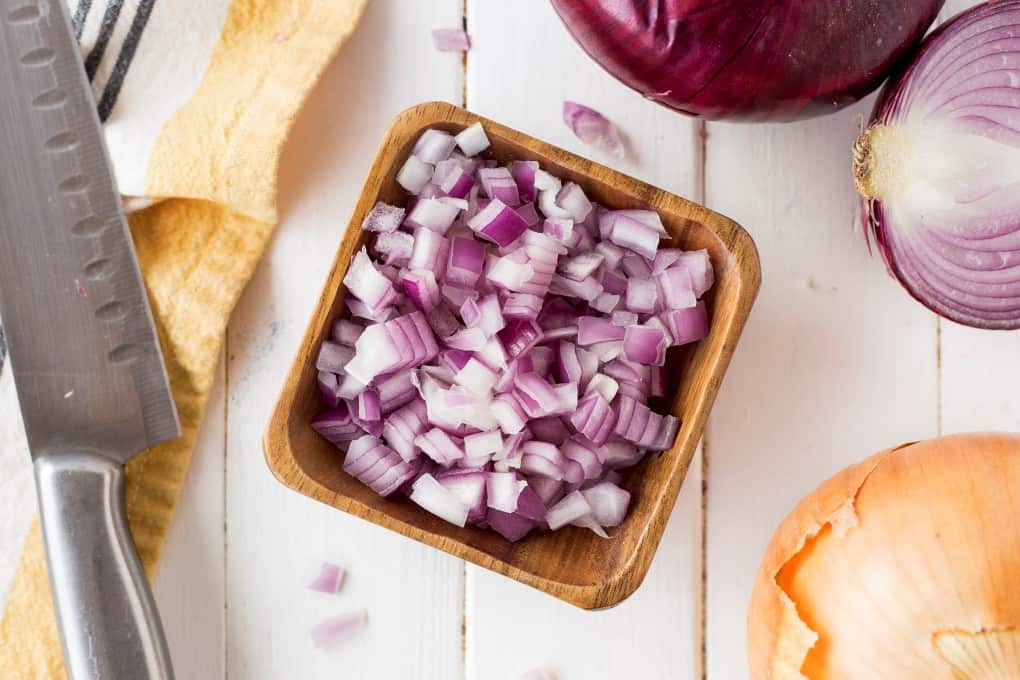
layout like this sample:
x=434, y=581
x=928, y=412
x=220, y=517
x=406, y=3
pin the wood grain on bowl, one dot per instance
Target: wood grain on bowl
x=572, y=564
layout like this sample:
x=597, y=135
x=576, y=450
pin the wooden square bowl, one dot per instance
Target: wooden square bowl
x=573, y=564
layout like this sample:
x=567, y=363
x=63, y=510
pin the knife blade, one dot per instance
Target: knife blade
x=81, y=341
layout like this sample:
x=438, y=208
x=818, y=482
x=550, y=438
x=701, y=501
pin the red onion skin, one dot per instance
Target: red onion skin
x=749, y=60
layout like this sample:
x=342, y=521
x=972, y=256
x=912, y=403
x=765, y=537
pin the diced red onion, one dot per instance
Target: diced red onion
x=365, y=283
x=645, y=345
x=594, y=329
x=508, y=414
x=421, y=288
x=623, y=317
x=346, y=332
x=383, y=217
x=686, y=325
x=676, y=289
x=333, y=357
x=328, y=580
x=472, y=140
x=572, y=199
x=498, y=183
x=561, y=229
x=592, y=128
x=503, y=393
x=434, y=146
x=608, y=503
x=605, y=303
x=429, y=252
x=499, y=223
x=594, y=418
x=437, y=499
x=328, y=385
x=629, y=233
x=438, y=446
x=587, y=289
x=642, y=296
x=612, y=256
x=573, y=507
x=403, y=426
x=580, y=267
x=414, y=175
x=529, y=214
x=328, y=632
x=468, y=487
x=604, y=385
x=396, y=247
x=432, y=213
x=476, y=377
x=464, y=265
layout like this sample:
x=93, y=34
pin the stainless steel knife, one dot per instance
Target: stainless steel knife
x=83, y=348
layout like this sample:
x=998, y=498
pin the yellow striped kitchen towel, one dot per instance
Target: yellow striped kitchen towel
x=197, y=98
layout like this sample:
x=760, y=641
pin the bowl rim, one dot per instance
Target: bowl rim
x=633, y=568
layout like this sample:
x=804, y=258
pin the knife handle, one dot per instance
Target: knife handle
x=109, y=624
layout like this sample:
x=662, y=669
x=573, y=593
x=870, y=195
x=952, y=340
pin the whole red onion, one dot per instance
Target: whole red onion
x=749, y=59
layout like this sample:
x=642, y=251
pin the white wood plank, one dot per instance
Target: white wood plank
x=522, y=66
x=189, y=585
x=837, y=361
x=412, y=593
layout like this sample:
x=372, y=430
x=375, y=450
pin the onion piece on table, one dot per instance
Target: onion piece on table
x=332, y=630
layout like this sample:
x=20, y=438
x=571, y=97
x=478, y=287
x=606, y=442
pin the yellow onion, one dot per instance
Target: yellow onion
x=904, y=566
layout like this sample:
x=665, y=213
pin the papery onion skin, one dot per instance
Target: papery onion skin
x=902, y=566
x=955, y=104
x=749, y=60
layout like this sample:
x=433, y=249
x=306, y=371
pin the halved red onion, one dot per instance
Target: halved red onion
x=938, y=174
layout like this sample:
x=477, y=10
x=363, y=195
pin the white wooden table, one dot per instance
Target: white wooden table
x=837, y=362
